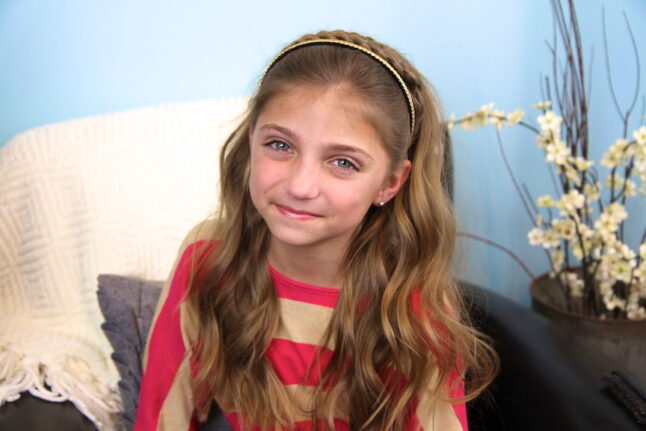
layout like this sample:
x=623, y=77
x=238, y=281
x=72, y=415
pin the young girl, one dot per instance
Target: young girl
x=321, y=296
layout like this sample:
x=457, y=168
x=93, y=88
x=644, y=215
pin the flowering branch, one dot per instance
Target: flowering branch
x=582, y=235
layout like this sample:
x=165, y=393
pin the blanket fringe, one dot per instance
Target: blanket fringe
x=63, y=378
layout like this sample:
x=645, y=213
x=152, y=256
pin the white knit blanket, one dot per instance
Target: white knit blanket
x=116, y=194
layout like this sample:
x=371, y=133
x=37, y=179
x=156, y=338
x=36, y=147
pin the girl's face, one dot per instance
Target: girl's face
x=317, y=166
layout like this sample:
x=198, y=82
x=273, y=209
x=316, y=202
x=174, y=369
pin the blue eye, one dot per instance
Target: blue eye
x=345, y=164
x=278, y=146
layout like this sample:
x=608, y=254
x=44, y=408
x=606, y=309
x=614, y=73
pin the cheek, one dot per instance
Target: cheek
x=255, y=180
x=262, y=176
x=354, y=200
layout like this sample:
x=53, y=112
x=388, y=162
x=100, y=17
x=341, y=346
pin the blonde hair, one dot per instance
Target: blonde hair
x=399, y=252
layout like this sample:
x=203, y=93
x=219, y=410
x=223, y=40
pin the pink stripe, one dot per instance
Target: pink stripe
x=290, y=361
x=296, y=291
x=165, y=351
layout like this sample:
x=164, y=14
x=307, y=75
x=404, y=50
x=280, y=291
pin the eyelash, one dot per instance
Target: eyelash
x=351, y=167
x=273, y=145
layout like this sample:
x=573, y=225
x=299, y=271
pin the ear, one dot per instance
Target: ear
x=394, y=182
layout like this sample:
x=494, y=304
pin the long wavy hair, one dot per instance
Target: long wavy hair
x=398, y=252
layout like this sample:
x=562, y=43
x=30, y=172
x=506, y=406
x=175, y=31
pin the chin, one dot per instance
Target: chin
x=292, y=239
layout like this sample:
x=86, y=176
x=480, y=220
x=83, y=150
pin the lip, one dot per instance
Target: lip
x=296, y=214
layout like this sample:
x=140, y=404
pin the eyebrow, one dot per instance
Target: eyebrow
x=331, y=147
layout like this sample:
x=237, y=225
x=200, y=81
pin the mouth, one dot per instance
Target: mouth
x=296, y=214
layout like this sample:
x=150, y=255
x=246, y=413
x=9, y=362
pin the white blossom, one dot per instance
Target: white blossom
x=480, y=117
x=451, y=123
x=570, y=173
x=556, y=152
x=640, y=135
x=607, y=238
x=467, y=122
x=545, y=201
x=640, y=274
x=497, y=119
x=621, y=270
x=538, y=221
x=612, y=301
x=566, y=228
x=550, y=122
x=535, y=236
x=614, y=182
x=574, y=283
x=557, y=256
x=543, y=140
x=639, y=152
x=617, y=211
x=630, y=188
x=625, y=252
x=616, y=154
x=550, y=239
x=581, y=163
x=636, y=313
x=544, y=105
x=577, y=250
x=585, y=231
x=570, y=202
x=605, y=286
x=592, y=191
x=606, y=225
x=515, y=117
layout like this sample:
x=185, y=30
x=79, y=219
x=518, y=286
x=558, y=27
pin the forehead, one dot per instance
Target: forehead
x=323, y=114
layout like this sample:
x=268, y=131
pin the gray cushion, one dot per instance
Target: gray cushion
x=128, y=305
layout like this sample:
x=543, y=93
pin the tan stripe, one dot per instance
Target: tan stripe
x=176, y=412
x=303, y=322
x=436, y=415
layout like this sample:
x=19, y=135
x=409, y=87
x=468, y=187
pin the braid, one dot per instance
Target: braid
x=413, y=81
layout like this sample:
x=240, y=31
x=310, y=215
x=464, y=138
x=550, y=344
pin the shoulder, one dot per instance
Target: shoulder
x=203, y=231
x=197, y=244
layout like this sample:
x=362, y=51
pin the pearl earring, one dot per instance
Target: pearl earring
x=382, y=203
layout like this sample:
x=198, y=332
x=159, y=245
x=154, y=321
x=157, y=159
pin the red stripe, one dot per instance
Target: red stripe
x=294, y=290
x=290, y=361
x=166, y=350
x=339, y=424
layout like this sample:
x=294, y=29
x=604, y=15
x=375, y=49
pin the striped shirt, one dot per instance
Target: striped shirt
x=166, y=400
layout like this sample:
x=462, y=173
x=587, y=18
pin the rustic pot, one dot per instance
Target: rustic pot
x=621, y=340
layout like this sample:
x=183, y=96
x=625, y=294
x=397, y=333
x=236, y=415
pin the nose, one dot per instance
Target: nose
x=303, y=180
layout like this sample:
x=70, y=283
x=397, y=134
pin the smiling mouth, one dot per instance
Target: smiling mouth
x=296, y=214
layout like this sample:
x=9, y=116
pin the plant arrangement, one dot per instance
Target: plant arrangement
x=581, y=224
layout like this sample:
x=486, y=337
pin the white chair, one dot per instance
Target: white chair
x=113, y=193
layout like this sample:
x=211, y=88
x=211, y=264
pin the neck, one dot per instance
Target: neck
x=306, y=265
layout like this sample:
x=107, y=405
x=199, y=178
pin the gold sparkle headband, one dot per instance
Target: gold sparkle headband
x=381, y=60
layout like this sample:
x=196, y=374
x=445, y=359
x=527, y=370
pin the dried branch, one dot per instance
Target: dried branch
x=502, y=248
x=528, y=195
x=513, y=178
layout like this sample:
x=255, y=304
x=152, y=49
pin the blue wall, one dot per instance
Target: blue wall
x=68, y=58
